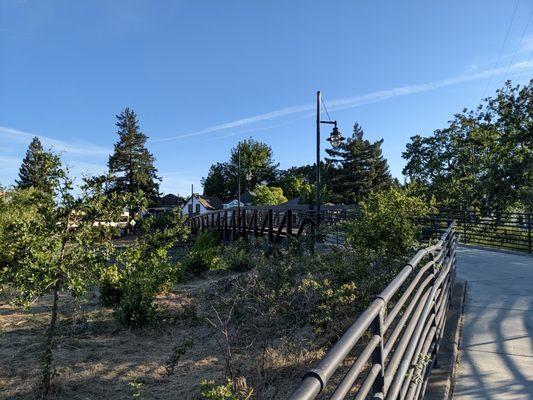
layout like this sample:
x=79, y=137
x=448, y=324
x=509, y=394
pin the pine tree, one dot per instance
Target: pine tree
x=40, y=169
x=132, y=165
x=359, y=168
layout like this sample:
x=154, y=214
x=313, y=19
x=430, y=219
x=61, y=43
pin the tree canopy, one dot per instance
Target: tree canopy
x=482, y=159
x=256, y=162
x=265, y=195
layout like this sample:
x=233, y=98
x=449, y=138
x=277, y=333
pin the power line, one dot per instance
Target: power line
x=501, y=49
x=520, y=42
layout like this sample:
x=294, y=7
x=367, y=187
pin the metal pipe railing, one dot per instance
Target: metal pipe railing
x=398, y=347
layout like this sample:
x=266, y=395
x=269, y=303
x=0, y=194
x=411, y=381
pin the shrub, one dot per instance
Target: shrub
x=385, y=231
x=233, y=390
x=213, y=392
x=238, y=257
x=146, y=269
x=110, y=287
x=206, y=240
x=204, y=254
x=178, y=351
x=137, y=308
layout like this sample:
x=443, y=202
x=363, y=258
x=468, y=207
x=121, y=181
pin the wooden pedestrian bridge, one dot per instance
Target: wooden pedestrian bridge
x=405, y=345
x=272, y=223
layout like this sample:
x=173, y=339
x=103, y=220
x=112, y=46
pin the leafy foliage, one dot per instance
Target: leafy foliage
x=237, y=256
x=482, y=159
x=256, y=160
x=232, y=390
x=386, y=231
x=264, y=195
x=204, y=254
x=52, y=241
x=177, y=352
x=145, y=268
x=110, y=288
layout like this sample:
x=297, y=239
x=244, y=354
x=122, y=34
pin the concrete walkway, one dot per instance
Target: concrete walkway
x=496, y=349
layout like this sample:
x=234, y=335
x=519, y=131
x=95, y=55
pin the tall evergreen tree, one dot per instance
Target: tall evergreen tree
x=132, y=165
x=40, y=169
x=359, y=168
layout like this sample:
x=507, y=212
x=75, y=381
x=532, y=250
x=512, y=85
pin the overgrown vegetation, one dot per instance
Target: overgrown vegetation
x=144, y=269
x=51, y=241
x=385, y=232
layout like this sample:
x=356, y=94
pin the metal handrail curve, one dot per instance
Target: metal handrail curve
x=401, y=349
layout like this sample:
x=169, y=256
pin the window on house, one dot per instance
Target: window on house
x=190, y=208
x=198, y=208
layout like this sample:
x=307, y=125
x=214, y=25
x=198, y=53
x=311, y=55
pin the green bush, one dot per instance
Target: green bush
x=200, y=261
x=213, y=392
x=206, y=240
x=233, y=390
x=110, y=287
x=237, y=256
x=137, y=308
x=385, y=231
x=204, y=254
x=146, y=269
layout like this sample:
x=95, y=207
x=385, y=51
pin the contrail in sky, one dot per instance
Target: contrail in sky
x=356, y=101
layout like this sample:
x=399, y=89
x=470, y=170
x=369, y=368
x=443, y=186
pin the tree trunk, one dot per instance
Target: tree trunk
x=46, y=357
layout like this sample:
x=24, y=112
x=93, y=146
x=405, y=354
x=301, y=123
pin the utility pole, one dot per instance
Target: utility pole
x=318, y=100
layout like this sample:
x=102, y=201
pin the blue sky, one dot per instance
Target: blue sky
x=203, y=75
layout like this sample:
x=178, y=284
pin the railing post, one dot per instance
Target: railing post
x=464, y=227
x=377, y=355
x=244, y=224
x=234, y=222
x=529, y=232
x=289, y=223
x=225, y=225
x=434, y=307
x=270, y=226
x=256, y=230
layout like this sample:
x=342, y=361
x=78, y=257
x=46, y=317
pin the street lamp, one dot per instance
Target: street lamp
x=335, y=138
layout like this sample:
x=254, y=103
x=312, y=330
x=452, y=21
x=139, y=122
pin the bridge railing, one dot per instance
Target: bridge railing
x=272, y=223
x=395, y=340
x=507, y=230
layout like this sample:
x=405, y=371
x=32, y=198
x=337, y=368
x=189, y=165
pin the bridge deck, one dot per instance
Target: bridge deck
x=496, y=350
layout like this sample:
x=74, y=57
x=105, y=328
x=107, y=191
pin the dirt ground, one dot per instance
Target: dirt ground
x=96, y=358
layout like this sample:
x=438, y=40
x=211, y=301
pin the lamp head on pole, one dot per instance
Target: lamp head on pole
x=335, y=137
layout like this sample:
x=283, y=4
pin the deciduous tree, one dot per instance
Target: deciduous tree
x=54, y=243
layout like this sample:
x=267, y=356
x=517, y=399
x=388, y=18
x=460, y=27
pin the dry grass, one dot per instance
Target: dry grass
x=98, y=359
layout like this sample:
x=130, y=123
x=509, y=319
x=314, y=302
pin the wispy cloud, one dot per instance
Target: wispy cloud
x=526, y=44
x=81, y=158
x=74, y=147
x=356, y=101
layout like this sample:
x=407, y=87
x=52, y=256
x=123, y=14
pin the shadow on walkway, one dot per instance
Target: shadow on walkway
x=496, y=349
